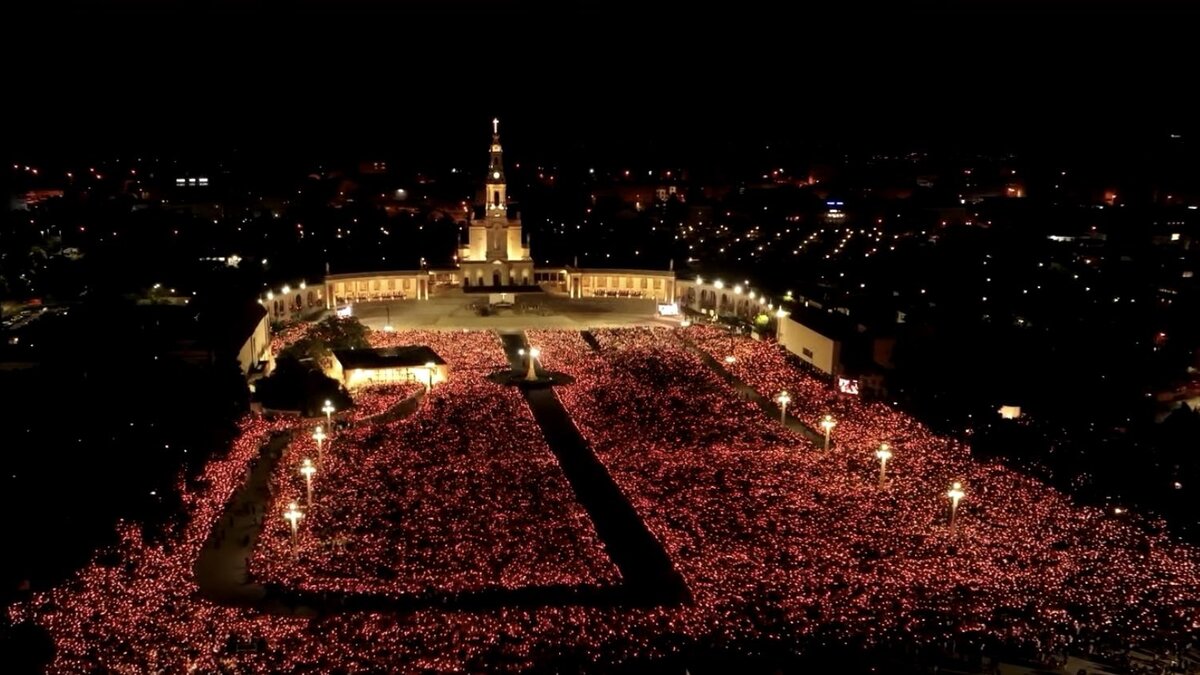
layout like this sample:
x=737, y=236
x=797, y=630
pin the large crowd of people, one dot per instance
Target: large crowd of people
x=286, y=336
x=463, y=495
x=1022, y=563
x=373, y=401
x=776, y=538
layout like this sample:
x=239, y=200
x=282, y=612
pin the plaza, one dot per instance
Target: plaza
x=455, y=310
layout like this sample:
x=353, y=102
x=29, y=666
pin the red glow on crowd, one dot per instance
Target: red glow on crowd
x=774, y=536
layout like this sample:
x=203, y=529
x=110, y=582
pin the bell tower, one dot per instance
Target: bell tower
x=494, y=186
x=496, y=254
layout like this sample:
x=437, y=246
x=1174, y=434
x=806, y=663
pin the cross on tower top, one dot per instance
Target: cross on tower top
x=496, y=125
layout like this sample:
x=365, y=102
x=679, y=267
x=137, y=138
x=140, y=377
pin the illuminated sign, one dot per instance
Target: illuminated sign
x=668, y=310
x=345, y=312
x=847, y=385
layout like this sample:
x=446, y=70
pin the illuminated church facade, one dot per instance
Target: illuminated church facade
x=496, y=253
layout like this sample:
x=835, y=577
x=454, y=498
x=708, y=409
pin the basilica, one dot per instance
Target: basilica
x=495, y=258
x=496, y=254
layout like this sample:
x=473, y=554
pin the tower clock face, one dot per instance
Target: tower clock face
x=495, y=174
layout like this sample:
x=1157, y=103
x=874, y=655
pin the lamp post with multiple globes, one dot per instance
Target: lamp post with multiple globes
x=307, y=470
x=884, y=453
x=783, y=399
x=293, y=516
x=319, y=437
x=827, y=423
x=955, y=493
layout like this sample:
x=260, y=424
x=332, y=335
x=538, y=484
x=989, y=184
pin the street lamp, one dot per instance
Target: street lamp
x=956, y=493
x=534, y=353
x=319, y=437
x=783, y=399
x=429, y=366
x=827, y=423
x=307, y=470
x=293, y=516
x=884, y=453
x=328, y=410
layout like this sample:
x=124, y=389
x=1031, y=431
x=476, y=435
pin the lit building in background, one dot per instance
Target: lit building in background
x=496, y=254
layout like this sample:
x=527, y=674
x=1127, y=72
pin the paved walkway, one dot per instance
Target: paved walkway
x=451, y=309
x=646, y=570
x=748, y=393
x=222, y=567
x=221, y=570
x=590, y=339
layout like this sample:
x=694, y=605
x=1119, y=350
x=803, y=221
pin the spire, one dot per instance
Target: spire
x=496, y=164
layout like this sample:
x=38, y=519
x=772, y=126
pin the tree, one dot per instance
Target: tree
x=299, y=386
x=339, y=333
x=332, y=333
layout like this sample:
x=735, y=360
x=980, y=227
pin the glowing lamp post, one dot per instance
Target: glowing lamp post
x=955, y=493
x=533, y=353
x=884, y=453
x=328, y=410
x=319, y=437
x=783, y=399
x=307, y=470
x=827, y=423
x=293, y=516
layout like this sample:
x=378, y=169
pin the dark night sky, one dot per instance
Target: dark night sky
x=615, y=76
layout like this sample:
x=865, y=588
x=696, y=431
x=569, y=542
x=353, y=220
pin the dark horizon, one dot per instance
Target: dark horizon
x=662, y=83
